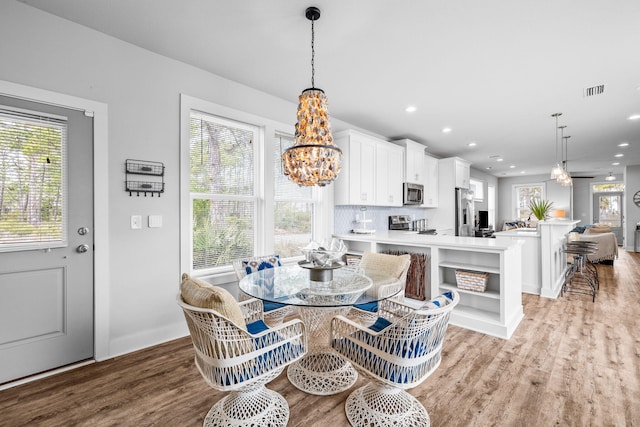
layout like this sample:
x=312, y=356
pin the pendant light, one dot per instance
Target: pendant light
x=610, y=177
x=313, y=160
x=566, y=181
x=556, y=171
x=562, y=175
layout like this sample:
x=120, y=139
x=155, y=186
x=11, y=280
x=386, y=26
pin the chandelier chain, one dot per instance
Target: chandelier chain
x=313, y=54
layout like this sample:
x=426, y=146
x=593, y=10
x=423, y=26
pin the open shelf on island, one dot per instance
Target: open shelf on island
x=486, y=294
x=471, y=313
x=473, y=267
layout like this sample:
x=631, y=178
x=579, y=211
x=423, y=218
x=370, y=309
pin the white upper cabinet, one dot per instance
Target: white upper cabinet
x=431, y=182
x=414, y=170
x=389, y=174
x=371, y=171
x=455, y=170
x=420, y=168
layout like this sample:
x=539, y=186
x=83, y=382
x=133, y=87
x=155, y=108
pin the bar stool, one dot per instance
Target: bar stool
x=582, y=275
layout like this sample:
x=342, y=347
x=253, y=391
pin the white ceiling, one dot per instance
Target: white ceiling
x=494, y=71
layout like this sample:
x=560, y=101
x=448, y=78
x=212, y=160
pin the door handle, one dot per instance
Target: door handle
x=82, y=248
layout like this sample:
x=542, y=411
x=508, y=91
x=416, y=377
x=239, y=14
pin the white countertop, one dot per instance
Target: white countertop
x=518, y=232
x=412, y=238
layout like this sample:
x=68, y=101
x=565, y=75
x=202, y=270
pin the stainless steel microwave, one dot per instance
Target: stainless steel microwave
x=412, y=194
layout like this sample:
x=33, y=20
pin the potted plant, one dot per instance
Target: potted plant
x=540, y=208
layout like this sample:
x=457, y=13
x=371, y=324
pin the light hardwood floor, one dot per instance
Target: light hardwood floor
x=571, y=362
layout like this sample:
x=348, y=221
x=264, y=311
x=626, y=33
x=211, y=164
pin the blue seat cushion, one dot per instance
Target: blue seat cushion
x=256, y=327
x=371, y=307
x=379, y=324
x=270, y=306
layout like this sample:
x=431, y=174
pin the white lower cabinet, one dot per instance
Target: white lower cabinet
x=496, y=311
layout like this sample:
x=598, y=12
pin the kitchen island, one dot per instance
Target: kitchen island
x=498, y=310
x=544, y=262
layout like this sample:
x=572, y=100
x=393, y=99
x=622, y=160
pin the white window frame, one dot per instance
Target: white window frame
x=322, y=221
x=514, y=203
x=313, y=200
x=474, y=185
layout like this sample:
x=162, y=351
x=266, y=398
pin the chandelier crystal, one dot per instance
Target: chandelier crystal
x=313, y=160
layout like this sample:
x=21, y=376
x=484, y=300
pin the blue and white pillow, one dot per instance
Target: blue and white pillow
x=439, y=301
x=254, y=264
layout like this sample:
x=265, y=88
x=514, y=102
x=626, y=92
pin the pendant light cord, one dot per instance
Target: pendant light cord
x=313, y=55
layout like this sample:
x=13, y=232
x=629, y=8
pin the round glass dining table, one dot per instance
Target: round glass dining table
x=321, y=371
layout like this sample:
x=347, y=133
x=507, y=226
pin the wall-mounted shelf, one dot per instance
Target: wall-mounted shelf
x=150, y=169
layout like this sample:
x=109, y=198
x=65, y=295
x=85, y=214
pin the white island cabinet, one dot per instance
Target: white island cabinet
x=498, y=310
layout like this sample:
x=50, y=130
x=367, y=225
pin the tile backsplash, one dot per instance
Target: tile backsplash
x=344, y=217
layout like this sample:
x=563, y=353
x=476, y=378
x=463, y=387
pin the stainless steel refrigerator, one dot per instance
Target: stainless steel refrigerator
x=465, y=215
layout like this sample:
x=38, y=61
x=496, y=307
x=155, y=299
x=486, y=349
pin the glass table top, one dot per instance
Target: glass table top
x=291, y=285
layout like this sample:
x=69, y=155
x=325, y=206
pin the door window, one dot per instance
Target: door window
x=32, y=181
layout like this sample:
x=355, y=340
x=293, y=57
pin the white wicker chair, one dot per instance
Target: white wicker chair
x=274, y=313
x=230, y=358
x=398, y=352
x=389, y=276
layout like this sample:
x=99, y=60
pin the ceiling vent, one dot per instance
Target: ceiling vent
x=593, y=90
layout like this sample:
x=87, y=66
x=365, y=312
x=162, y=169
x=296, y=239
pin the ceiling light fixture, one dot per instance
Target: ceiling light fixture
x=623, y=144
x=410, y=109
x=471, y=144
x=565, y=180
x=556, y=170
x=313, y=160
x=634, y=117
x=610, y=177
x=446, y=130
x=618, y=155
x=615, y=164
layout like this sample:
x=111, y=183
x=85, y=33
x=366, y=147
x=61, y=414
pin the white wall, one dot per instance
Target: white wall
x=142, y=91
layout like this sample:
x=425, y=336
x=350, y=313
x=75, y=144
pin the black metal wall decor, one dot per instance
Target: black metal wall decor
x=149, y=185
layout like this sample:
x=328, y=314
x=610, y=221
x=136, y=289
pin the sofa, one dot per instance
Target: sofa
x=601, y=234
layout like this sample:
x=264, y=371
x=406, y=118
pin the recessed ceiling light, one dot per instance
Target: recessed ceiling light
x=488, y=168
x=615, y=164
x=471, y=144
x=512, y=166
x=499, y=159
x=623, y=144
x=634, y=117
x=523, y=171
x=446, y=130
x=619, y=155
x=410, y=109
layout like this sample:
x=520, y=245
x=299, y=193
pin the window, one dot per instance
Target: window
x=222, y=157
x=478, y=189
x=294, y=207
x=523, y=195
x=32, y=180
x=234, y=200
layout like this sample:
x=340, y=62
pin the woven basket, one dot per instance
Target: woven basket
x=472, y=280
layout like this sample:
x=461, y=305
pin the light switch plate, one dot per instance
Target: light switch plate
x=155, y=221
x=136, y=222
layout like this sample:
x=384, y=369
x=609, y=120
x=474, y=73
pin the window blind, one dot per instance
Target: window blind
x=32, y=180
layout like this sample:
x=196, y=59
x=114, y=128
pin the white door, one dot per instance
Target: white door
x=46, y=238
